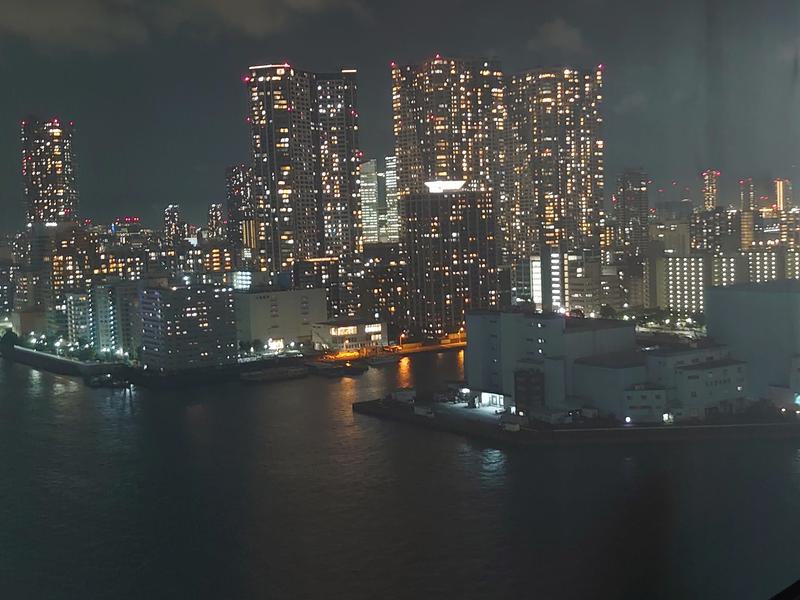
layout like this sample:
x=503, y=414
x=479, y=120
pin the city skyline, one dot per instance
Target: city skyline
x=335, y=298
x=658, y=97
x=497, y=181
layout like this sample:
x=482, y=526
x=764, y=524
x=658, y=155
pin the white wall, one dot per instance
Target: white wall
x=286, y=314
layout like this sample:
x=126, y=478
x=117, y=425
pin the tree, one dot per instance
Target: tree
x=8, y=341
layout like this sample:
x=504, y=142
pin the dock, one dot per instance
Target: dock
x=460, y=421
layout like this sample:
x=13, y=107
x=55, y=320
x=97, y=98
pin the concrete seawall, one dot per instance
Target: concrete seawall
x=62, y=365
x=493, y=434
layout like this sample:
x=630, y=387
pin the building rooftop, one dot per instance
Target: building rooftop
x=614, y=360
x=677, y=348
x=572, y=324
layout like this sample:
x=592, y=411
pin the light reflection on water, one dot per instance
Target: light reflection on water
x=405, y=377
x=279, y=490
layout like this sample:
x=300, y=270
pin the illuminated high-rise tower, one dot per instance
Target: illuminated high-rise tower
x=556, y=157
x=304, y=145
x=392, y=215
x=48, y=171
x=449, y=121
x=282, y=131
x=215, y=226
x=710, y=189
x=449, y=239
x=338, y=179
x=174, y=227
x=783, y=194
x=747, y=194
x=240, y=207
x=631, y=206
x=370, y=198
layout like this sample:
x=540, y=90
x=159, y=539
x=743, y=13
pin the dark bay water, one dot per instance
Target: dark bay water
x=280, y=491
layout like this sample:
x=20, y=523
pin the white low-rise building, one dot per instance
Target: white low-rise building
x=342, y=335
x=530, y=356
x=278, y=319
x=546, y=364
x=662, y=384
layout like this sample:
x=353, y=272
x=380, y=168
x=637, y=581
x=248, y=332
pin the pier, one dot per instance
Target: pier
x=481, y=425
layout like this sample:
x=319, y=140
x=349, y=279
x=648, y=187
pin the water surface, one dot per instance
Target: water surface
x=280, y=491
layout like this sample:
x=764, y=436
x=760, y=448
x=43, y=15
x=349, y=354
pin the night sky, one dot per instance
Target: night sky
x=155, y=87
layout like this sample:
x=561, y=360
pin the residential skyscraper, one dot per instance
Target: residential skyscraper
x=392, y=214
x=449, y=238
x=747, y=194
x=556, y=157
x=710, y=189
x=339, y=162
x=386, y=279
x=240, y=207
x=48, y=171
x=216, y=222
x=449, y=121
x=383, y=218
x=304, y=134
x=631, y=207
x=370, y=200
x=174, y=227
x=284, y=165
x=72, y=261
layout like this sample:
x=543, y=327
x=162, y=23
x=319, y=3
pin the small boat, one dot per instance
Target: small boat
x=383, y=359
x=354, y=368
x=106, y=380
x=342, y=369
x=275, y=374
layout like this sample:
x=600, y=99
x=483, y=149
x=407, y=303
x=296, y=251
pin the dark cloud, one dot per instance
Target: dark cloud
x=254, y=18
x=558, y=35
x=108, y=24
x=158, y=122
x=84, y=24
